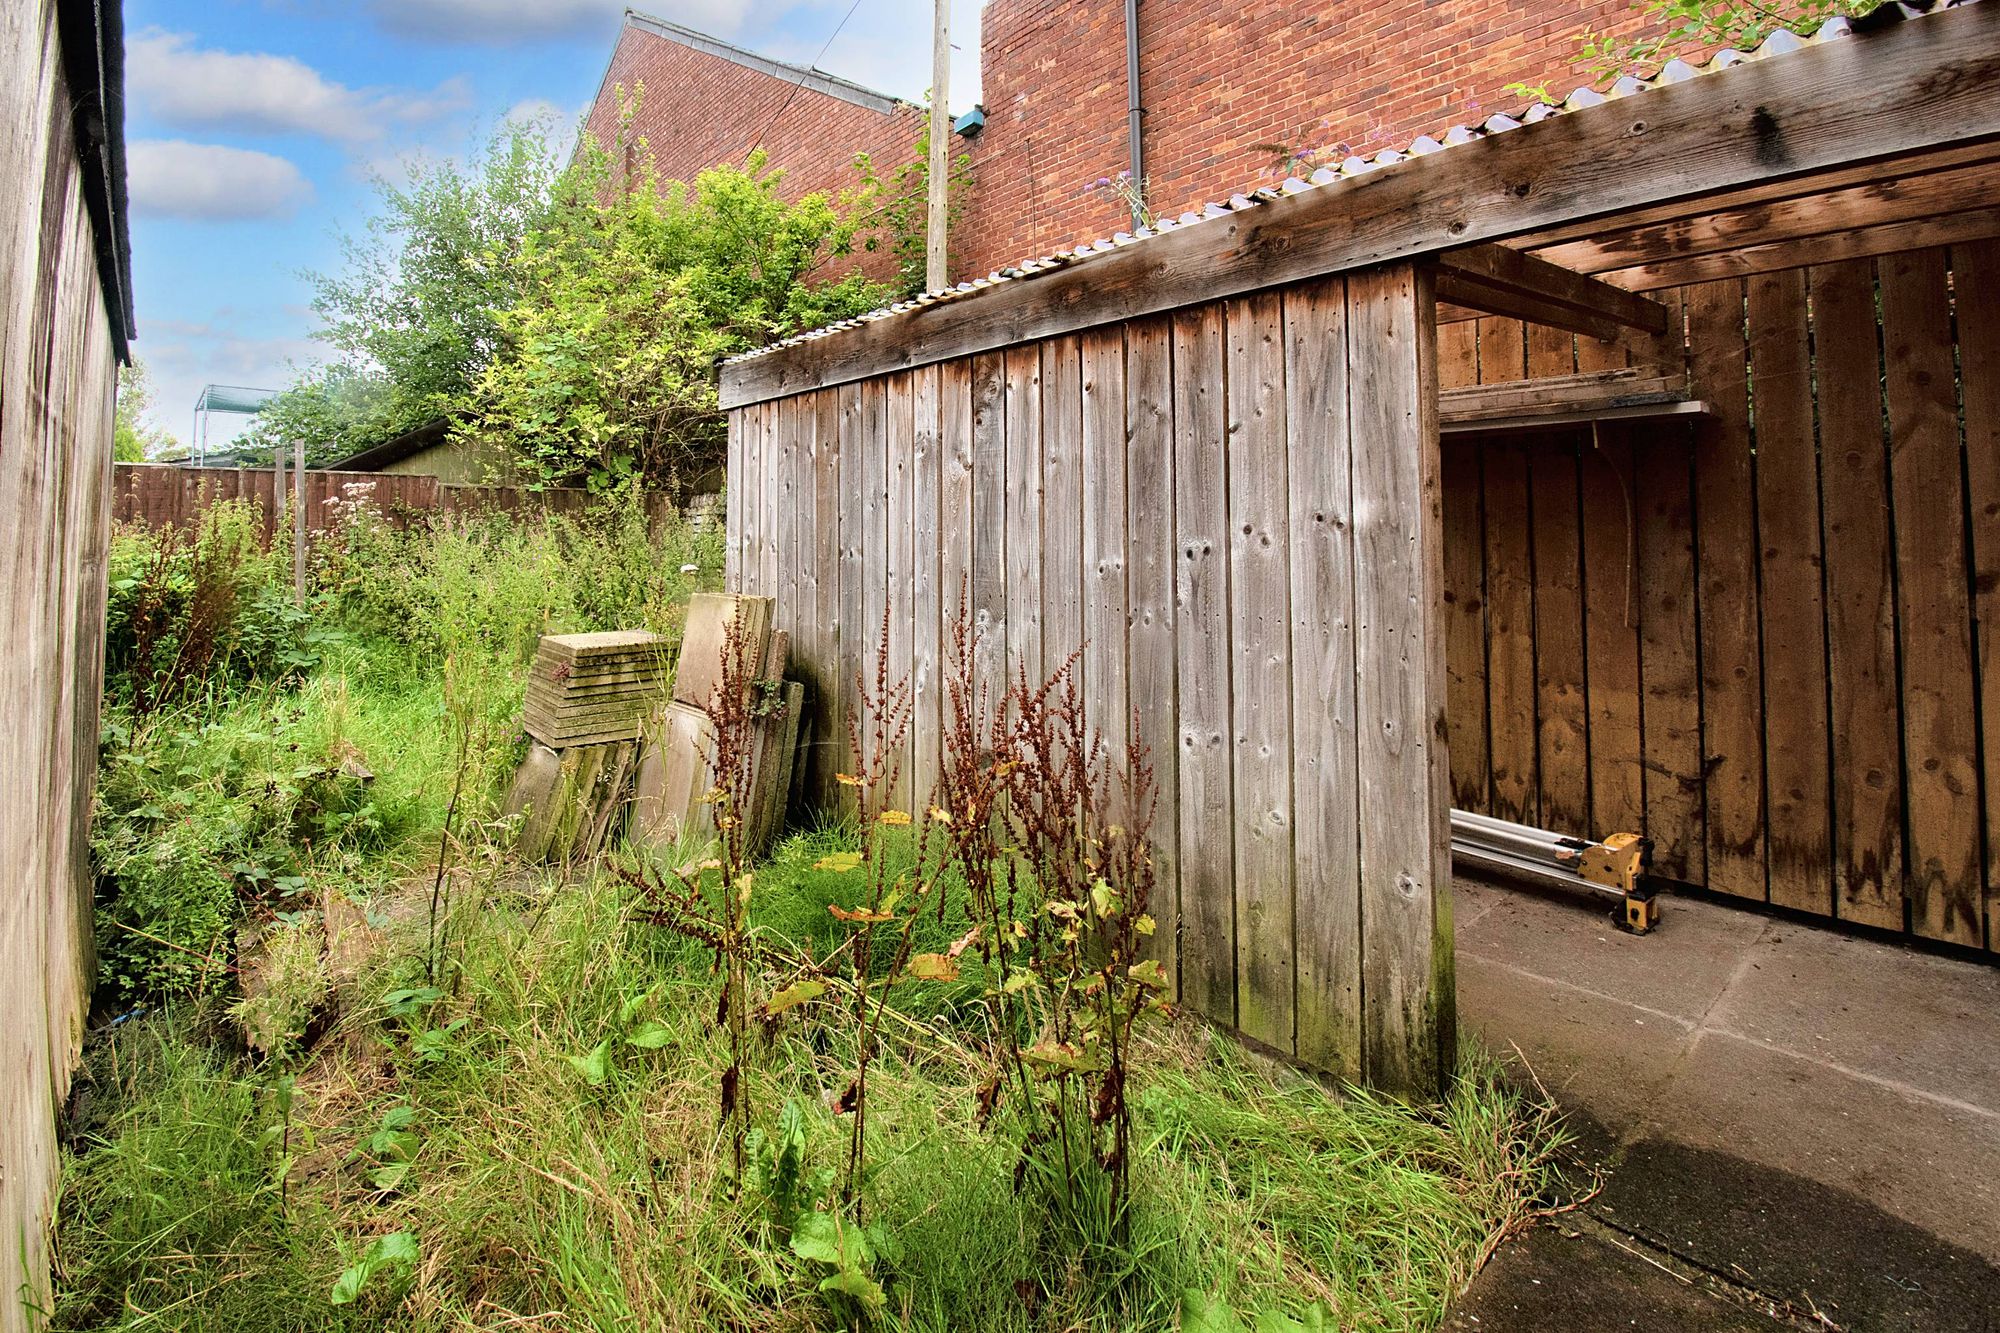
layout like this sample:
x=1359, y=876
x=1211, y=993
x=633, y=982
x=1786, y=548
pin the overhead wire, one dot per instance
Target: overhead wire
x=785, y=106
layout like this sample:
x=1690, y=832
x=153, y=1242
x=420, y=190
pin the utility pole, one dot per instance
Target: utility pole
x=940, y=165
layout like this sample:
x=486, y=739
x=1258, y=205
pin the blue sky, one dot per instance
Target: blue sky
x=256, y=126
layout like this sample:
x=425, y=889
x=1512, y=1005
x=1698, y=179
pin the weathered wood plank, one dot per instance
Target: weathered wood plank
x=1149, y=499
x=926, y=604
x=1062, y=506
x=1726, y=547
x=1611, y=635
x=875, y=611
x=1465, y=624
x=1458, y=355
x=990, y=547
x=1794, y=612
x=1207, y=942
x=1023, y=421
x=1410, y=1015
x=851, y=633
x=1933, y=606
x=1105, y=600
x=1866, y=717
x=1503, y=350
x=1902, y=197
x=752, y=554
x=955, y=528
x=1510, y=631
x=1821, y=106
x=1975, y=277
x=1669, y=663
x=1562, y=719
x=829, y=741
x=1326, y=854
x=1890, y=238
x=733, y=472
x=899, y=425
x=1260, y=677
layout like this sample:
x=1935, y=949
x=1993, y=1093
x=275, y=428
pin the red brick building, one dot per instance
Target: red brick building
x=1220, y=82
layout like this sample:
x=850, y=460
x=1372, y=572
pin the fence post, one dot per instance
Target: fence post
x=299, y=521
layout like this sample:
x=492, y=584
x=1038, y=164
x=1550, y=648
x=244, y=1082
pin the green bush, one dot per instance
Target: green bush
x=200, y=612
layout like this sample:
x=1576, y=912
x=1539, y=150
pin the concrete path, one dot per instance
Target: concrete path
x=1787, y=1123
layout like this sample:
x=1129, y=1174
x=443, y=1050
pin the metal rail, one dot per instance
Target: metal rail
x=1614, y=868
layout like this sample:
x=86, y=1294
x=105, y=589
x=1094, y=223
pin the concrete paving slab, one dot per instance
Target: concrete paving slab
x=1883, y=1010
x=1552, y=1282
x=1682, y=967
x=1822, y=1251
x=1933, y=1164
x=1602, y=1054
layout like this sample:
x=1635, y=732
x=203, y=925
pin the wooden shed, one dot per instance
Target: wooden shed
x=65, y=291
x=1631, y=464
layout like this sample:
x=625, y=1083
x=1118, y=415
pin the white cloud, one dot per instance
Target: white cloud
x=212, y=183
x=502, y=21
x=188, y=87
x=182, y=356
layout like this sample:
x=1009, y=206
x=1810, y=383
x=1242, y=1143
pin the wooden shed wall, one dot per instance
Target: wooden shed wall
x=57, y=381
x=1226, y=511
x=1784, y=672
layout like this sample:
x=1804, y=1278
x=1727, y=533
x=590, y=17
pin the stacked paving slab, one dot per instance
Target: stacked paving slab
x=589, y=689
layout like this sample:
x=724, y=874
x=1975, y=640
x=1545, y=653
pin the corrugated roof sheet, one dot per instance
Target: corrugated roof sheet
x=1780, y=43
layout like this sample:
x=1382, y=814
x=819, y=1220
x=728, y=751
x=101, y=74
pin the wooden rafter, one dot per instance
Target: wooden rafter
x=1497, y=281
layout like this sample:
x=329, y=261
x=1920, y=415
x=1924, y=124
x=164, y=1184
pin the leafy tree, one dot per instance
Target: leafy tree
x=628, y=297
x=132, y=440
x=416, y=304
x=898, y=208
x=336, y=409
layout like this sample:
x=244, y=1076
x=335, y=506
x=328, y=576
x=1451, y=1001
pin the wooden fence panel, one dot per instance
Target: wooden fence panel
x=927, y=719
x=1105, y=599
x=1510, y=634
x=1866, y=715
x=1610, y=632
x=1790, y=596
x=1941, y=779
x=1726, y=563
x=1149, y=498
x=1023, y=424
x=1326, y=861
x=1975, y=273
x=1260, y=677
x=1202, y=664
x=1561, y=714
x=1062, y=509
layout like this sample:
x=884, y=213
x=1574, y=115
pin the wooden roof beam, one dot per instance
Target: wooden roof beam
x=1498, y=281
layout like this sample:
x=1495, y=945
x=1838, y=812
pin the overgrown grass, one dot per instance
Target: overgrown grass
x=530, y=1135
x=535, y=1195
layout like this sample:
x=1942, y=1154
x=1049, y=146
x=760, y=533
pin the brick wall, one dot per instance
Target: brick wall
x=700, y=110
x=1218, y=78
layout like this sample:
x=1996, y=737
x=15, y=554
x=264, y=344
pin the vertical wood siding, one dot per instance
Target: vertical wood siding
x=1231, y=520
x=57, y=380
x=1786, y=662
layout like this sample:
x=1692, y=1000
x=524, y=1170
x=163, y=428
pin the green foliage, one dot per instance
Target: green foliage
x=394, y=1254
x=201, y=613
x=171, y=1215
x=133, y=441
x=532, y=1192
x=422, y=284
x=1676, y=25
x=897, y=205
x=626, y=299
x=336, y=410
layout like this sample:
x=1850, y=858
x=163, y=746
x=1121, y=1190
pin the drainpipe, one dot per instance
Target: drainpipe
x=1133, y=111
